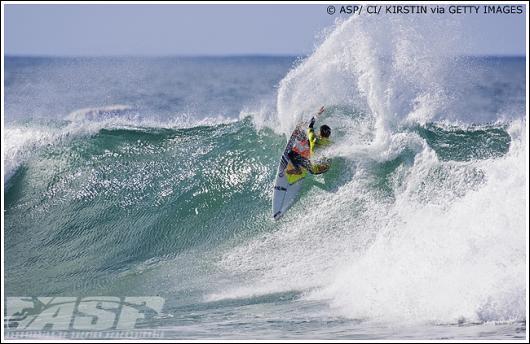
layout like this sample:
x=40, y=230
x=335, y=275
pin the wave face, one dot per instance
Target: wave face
x=418, y=225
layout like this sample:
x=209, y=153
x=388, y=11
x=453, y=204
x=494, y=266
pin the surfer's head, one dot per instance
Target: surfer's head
x=325, y=131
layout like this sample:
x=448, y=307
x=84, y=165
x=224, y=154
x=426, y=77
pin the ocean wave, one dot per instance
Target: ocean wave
x=22, y=141
x=428, y=225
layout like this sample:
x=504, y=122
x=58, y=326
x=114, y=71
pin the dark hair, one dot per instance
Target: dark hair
x=325, y=131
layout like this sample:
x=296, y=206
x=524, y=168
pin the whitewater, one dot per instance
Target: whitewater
x=153, y=176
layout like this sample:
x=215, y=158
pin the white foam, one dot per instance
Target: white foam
x=444, y=260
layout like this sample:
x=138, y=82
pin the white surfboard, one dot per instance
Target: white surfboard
x=285, y=194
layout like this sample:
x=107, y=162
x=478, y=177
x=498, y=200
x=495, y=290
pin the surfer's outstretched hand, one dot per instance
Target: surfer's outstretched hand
x=320, y=111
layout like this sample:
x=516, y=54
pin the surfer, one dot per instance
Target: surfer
x=304, y=147
x=296, y=163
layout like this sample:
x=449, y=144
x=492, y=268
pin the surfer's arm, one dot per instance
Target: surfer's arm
x=311, y=135
x=313, y=140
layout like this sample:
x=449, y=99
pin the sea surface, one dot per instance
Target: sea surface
x=152, y=176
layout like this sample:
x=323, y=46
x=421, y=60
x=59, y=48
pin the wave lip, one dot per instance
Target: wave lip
x=97, y=112
x=23, y=141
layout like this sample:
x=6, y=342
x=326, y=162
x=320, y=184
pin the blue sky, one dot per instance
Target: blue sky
x=205, y=30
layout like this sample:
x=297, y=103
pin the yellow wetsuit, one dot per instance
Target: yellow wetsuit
x=315, y=141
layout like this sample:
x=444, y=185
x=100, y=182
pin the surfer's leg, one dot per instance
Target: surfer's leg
x=300, y=162
x=296, y=161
